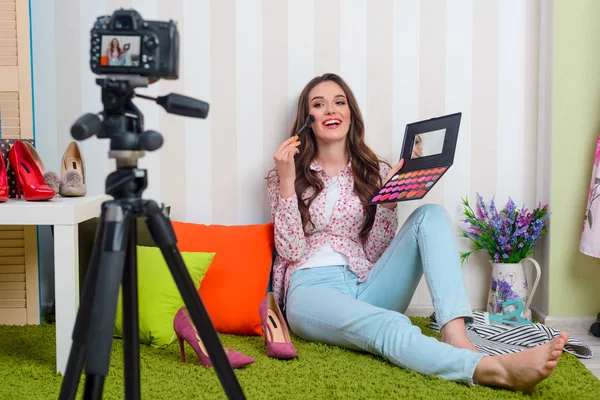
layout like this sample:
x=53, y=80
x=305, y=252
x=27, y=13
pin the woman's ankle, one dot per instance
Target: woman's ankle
x=453, y=327
x=490, y=372
x=454, y=331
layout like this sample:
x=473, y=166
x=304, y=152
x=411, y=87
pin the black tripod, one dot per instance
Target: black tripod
x=114, y=261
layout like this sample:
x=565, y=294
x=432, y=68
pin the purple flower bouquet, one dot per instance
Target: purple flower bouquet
x=508, y=235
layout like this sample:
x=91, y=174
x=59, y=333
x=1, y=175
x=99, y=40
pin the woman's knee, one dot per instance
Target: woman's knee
x=391, y=331
x=434, y=212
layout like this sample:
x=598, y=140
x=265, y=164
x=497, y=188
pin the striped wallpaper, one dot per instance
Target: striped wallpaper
x=405, y=61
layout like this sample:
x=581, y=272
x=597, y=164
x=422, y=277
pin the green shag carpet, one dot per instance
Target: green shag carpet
x=27, y=365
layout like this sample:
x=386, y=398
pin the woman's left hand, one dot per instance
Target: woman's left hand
x=391, y=173
x=394, y=170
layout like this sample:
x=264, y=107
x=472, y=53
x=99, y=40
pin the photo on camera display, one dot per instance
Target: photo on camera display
x=120, y=51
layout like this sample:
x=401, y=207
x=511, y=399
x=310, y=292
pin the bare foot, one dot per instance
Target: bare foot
x=521, y=371
x=455, y=334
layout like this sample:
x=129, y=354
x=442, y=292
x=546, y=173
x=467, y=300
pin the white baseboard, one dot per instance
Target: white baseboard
x=538, y=315
x=425, y=310
x=570, y=323
x=561, y=323
x=419, y=311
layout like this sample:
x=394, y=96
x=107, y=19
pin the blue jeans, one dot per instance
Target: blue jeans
x=329, y=305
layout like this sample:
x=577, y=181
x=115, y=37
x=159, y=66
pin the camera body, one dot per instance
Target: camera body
x=126, y=44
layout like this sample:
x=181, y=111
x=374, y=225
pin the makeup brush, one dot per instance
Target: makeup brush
x=309, y=120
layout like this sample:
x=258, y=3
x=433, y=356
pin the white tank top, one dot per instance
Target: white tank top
x=326, y=255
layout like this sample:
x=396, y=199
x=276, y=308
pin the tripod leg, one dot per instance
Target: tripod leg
x=104, y=309
x=79, y=347
x=131, y=338
x=162, y=232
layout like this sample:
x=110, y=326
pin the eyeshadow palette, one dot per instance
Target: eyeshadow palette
x=428, y=151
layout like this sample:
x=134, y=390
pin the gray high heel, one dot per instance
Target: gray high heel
x=72, y=181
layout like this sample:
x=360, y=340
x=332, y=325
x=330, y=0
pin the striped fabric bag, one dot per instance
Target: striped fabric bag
x=495, y=339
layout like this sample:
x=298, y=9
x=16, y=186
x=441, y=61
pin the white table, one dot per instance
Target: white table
x=64, y=213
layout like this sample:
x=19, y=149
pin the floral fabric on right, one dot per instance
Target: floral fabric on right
x=590, y=236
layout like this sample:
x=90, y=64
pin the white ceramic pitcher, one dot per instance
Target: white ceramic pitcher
x=509, y=282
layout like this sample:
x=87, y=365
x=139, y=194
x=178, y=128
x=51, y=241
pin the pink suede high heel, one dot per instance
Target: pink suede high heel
x=277, y=337
x=185, y=330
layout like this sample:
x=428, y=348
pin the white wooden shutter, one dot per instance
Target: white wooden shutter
x=19, y=289
x=19, y=298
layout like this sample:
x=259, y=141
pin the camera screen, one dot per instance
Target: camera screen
x=120, y=51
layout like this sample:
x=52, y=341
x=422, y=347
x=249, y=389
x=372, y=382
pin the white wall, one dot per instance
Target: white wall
x=405, y=61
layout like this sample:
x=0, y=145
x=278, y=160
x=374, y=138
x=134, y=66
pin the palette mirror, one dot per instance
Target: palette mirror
x=428, y=144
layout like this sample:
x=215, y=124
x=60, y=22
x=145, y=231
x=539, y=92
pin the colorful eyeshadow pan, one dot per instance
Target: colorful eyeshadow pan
x=409, y=185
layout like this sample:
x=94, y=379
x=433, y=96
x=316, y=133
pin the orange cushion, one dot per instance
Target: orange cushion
x=238, y=277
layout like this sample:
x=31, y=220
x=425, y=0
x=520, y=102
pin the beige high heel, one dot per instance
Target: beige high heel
x=72, y=181
x=50, y=177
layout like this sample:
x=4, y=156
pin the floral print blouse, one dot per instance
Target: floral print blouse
x=294, y=247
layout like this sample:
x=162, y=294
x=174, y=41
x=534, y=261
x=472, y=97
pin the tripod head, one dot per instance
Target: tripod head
x=123, y=123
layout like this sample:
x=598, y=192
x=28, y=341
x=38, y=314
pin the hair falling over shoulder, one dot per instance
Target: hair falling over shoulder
x=365, y=164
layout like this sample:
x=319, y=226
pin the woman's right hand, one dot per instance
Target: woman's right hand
x=284, y=160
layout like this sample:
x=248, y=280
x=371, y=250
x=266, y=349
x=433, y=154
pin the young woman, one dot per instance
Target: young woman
x=345, y=276
x=418, y=149
x=114, y=52
x=118, y=56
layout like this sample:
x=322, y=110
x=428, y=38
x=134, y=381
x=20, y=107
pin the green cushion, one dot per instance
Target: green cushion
x=87, y=234
x=158, y=296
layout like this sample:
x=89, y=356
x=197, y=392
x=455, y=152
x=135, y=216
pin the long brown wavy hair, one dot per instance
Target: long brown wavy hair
x=365, y=164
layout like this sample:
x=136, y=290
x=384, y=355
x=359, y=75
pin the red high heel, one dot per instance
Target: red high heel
x=29, y=177
x=3, y=180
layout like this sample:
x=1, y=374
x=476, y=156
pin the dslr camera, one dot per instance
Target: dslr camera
x=123, y=43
